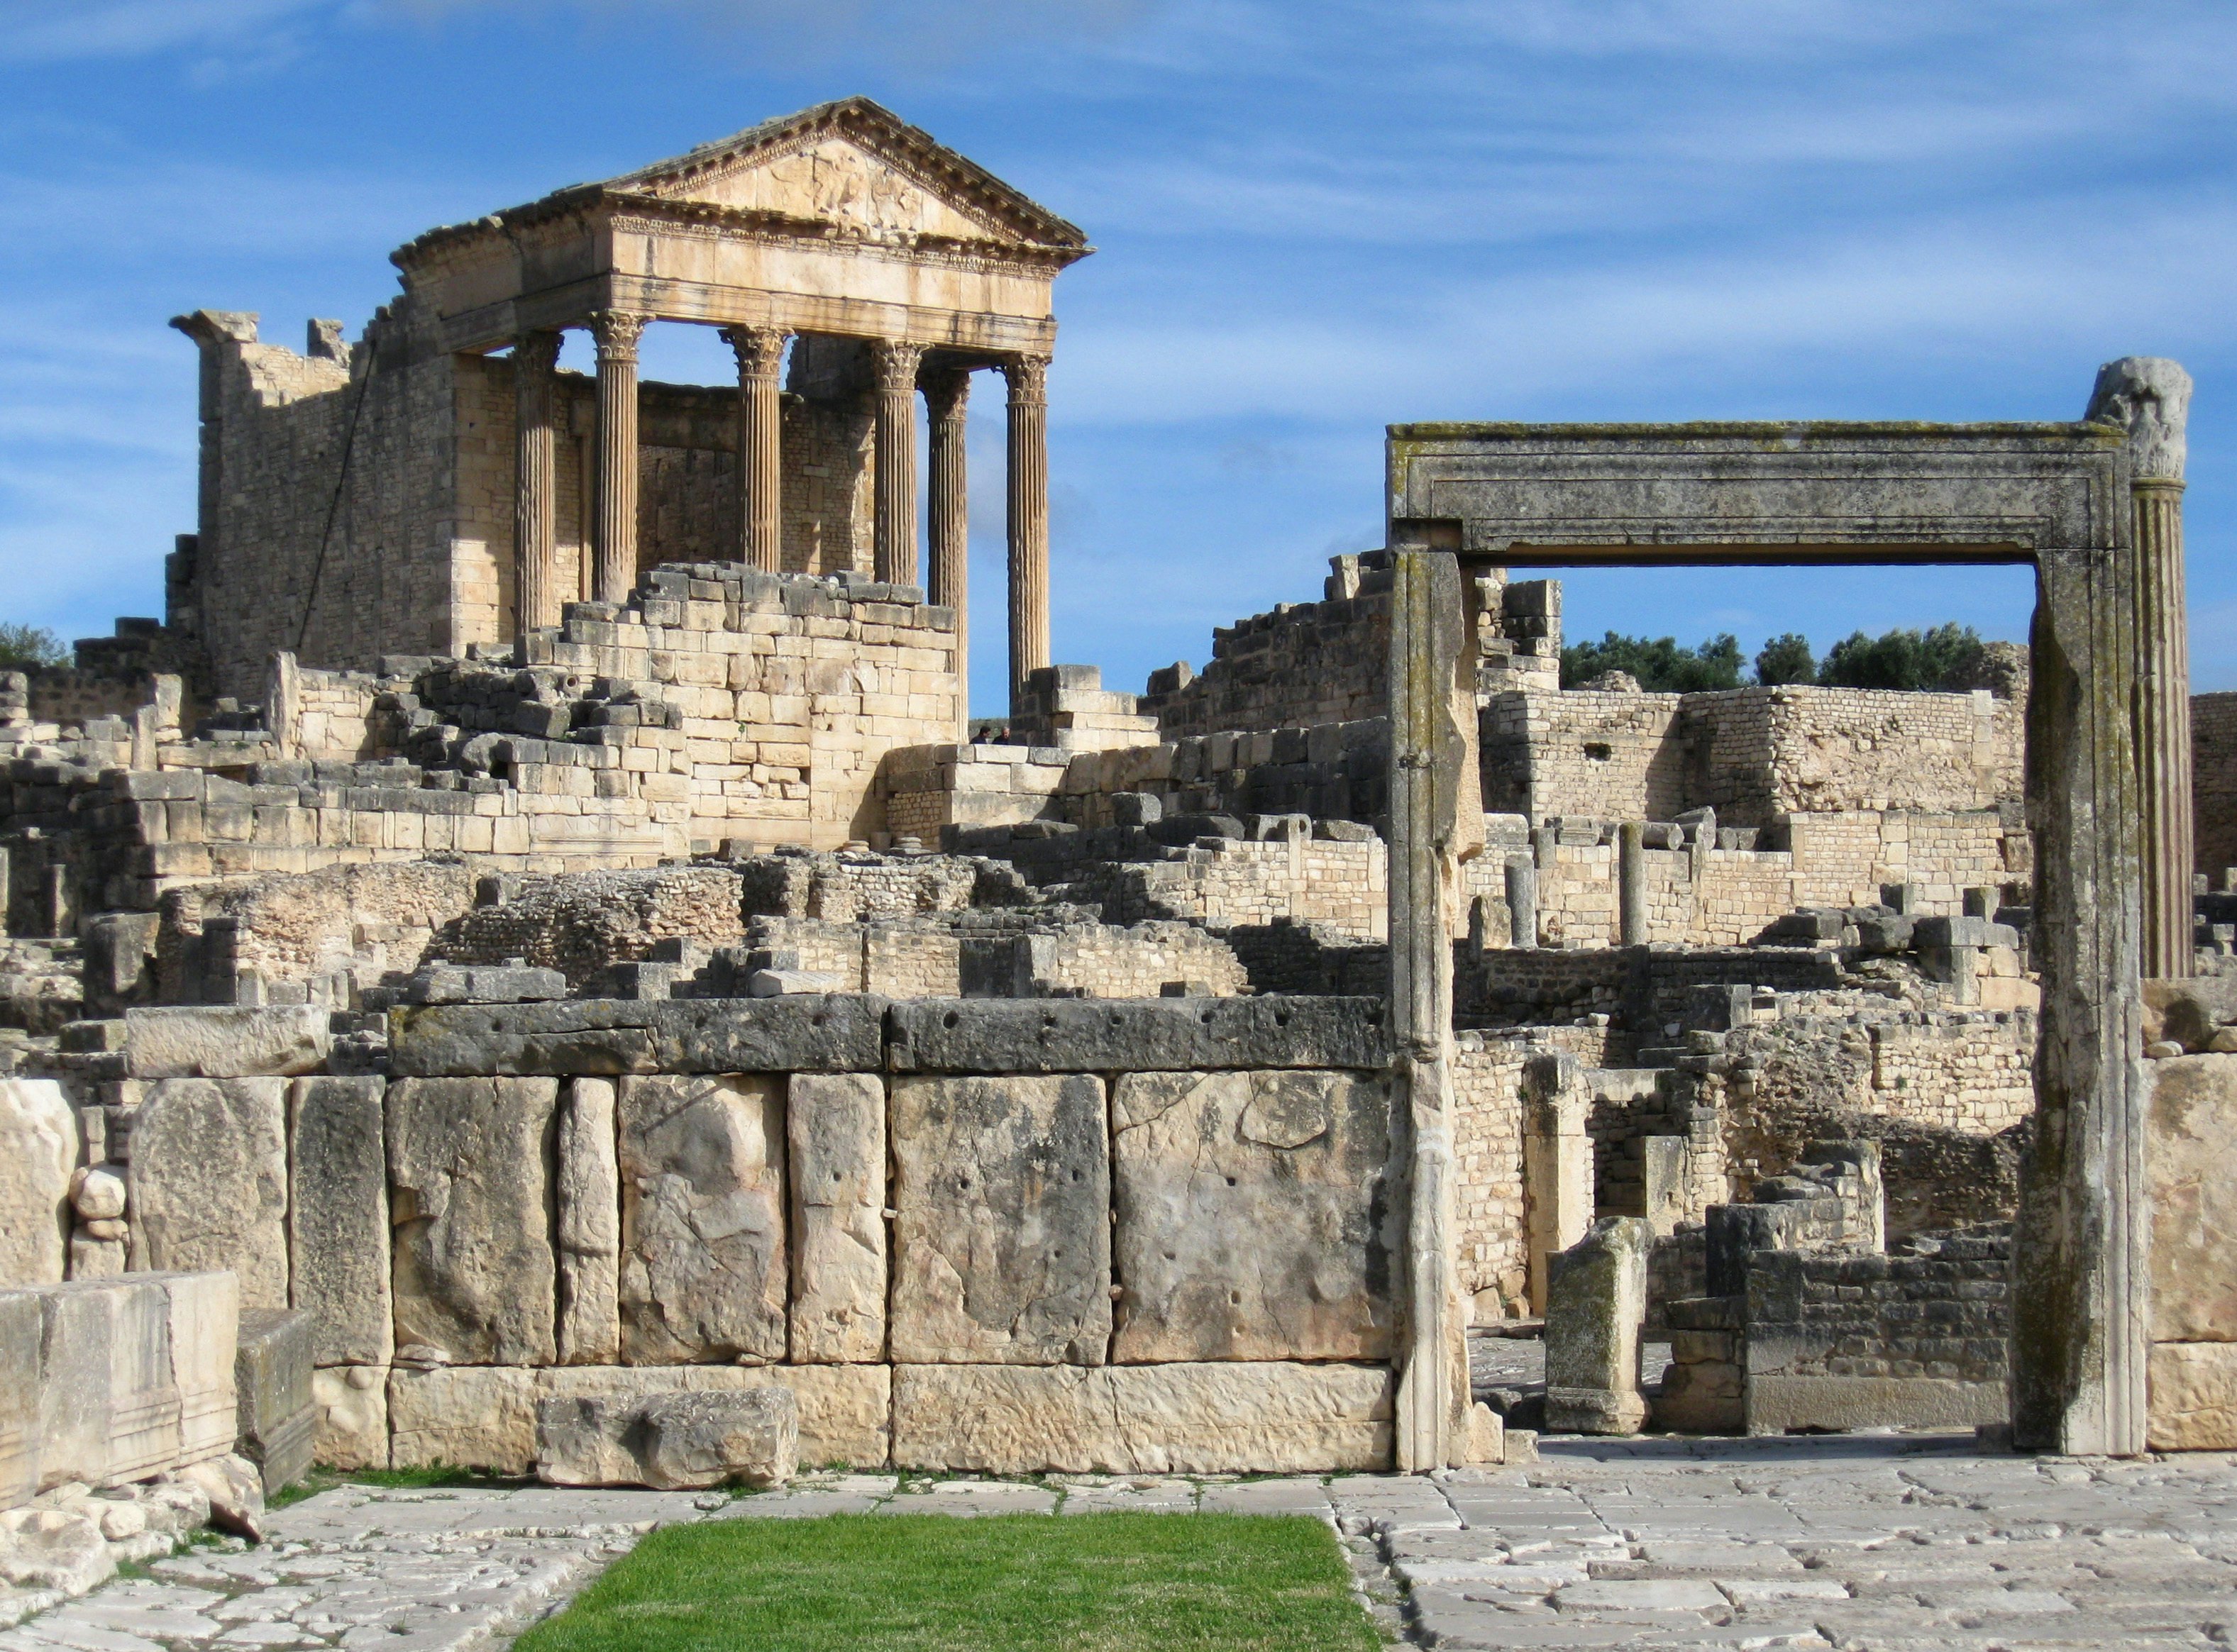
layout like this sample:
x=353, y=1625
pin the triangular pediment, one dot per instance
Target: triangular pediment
x=859, y=169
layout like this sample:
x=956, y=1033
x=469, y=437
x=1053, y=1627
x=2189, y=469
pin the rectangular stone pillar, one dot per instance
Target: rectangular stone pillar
x=617, y=333
x=945, y=392
x=1631, y=882
x=760, y=351
x=1028, y=524
x=1596, y=1302
x=896, y=366
x=536, y=482
x=1557, y=1164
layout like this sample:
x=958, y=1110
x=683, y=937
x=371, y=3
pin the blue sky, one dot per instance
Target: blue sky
x=1314, y=218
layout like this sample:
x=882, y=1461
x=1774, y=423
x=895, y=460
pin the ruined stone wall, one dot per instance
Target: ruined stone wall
x=579, y=925
x=1490, y=1245
x=1299, y=664
x=2214, y=781
x=1593, y=752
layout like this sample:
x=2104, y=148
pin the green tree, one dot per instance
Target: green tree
x=27, y=647
x=1945, y=657
x=1786, y=658
x=1659, y=663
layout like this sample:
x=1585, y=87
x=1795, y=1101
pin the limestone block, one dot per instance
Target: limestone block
x=474, y=1278
x=225, y=1041
x=1253, y=1217
x=97, y=1192
x=590, y=1226
x=38, y=1146
x=136, y=1375
x=338, y=1221
x=670, y=1441
x=351, y=1403
x=1041, y=1035
x=1486, y=1435
x=61, y=1549
x=2193, y=1397
x=235, y=1490
x=208, y=1182
x=835, y=1129
x=272, y=1384
x=1222, y=1417
x=2190, y=1148
x=481, y=1417
x=204, y=1313
x=20, y=1322
x=703, y=1264
x=839, y=1033
x=1596, y=1300
x=1002, y=1227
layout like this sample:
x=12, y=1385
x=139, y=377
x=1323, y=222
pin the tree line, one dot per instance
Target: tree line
x=1941, y=658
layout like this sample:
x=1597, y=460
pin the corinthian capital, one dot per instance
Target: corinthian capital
x=946, y=389
x=617, y=332
x=1028, y=377
x=536, y=353
x=760, y=350
x=2149, y=398
x=895, y=363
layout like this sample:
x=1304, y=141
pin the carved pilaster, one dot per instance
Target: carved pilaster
x=2149, y=398
x=895, y=364
x=536, y=482
x=760, y=361
x=946, y=394
x=617, y=332
x=1028, y=498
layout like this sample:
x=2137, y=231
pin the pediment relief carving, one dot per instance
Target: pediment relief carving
x=836, y=180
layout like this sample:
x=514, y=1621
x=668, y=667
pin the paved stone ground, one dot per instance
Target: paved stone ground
x=1866, y=1543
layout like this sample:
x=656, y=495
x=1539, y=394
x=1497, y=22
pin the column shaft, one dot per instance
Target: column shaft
x=617, y=332
x=536, y=487
x=2163, y=729
x=1028, y=526
x=945, y=394
x=761, y=422
x=895, y=364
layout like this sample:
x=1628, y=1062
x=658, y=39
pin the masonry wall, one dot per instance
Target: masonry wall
x=1584, y=752
x=1490, y=1245
x=2214, y=781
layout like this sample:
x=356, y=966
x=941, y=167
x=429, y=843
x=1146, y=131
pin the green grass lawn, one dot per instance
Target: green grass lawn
x=1094, y=1583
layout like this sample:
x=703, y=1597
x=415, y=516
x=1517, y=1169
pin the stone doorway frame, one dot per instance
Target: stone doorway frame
x=2071, y=500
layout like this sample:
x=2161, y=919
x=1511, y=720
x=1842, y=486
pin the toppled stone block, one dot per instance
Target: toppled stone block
x=1253, y=1218
x=272, y=1384
x=135, y=1375
x=484, y=983
x=777, y=983
x=1223, y=1418
x=702, y=1250
x=835, y=1124
x=38, y=1146
x=840, y=1032
x=338, y=1223
x=225, y=1041
x=1002, y=1227
x=474, y=1276
x=208, y=1182
x=1596, y=1300
x=62, y=1550
x=1948, y=931
x=235, y=1490
x=1136, y=1034
x=670, y=1442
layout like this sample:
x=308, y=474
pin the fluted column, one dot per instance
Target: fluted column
x=2149, y=396
x=895, y=363
x=535, y=486
x=1028, y=456
x=617, y=333
x=945, y=395
x=760, y=419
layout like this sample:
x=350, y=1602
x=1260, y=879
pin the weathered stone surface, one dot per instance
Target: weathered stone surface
x=837, y=1033
x=670, y=1441
x=136, y=1375
x=1225, y=1417
x=272, y=1384
x=338, y=1219
x=2188, y=1158
x=98, y=1193
x=1596, y=1299
x=352, y=1404
x=702, y=1267
x=60, y=1550
x=484, y=983
x=1002, y=1227
x=2188, y=1012
x=225, y=1041
x=836, y=1126
x=484, y=1416
x=210, y=1182
x=235, y=1490
x=474, y=1275
x=1254, y=1218
x=2194, y=1397
x=203, y=1312
x=590, y=1226
x=39, y=1146
x=19, y=1396
x=1134, y=1035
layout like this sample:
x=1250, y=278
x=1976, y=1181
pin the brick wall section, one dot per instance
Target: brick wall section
x=2213, y=781
x=1942, y=1311
x=1491, y=1246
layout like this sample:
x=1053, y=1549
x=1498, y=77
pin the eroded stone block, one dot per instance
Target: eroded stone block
x=352, y=1406
x=1053, y=1035
x=1222, y=1417
x=338, y=1219
x=272, y=1383
x=702, y=1269
x=38, y=1148
x=671, y=1441
x=225, y=1041
x=208, y=1182
x=836, y=1126
x=1253, y=1216
x=1002, y=1231
x=20, y=1327
x=481, y=1417
x=2192, y=1405
x=470, y=1202
x=1596, y=1300
x=837, y=1033
x=590, y=1226
x=2188, y=1154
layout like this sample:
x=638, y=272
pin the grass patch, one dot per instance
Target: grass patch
x=1095, y=1582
